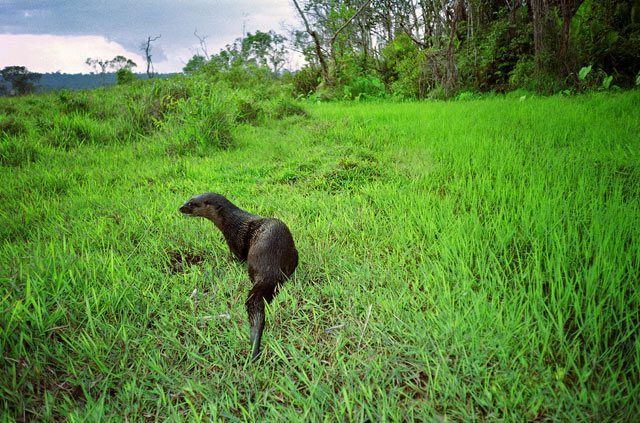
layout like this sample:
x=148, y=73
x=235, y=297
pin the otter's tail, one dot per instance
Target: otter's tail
x=255, y=308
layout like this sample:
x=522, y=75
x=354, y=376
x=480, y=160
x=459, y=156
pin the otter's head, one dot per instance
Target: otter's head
x=209, y=205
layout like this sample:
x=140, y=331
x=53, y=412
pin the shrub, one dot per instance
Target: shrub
x=249, y=111
x=527, y=76
x=306, y=81
x=523, y=73
x=285, y=106
x=364, y=87
x=125, y=76
x=438, y=93
x=150, y=105
x=404, y=68
x=466, y=95
x=204, y=120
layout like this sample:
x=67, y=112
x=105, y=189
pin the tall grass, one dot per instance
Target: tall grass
x=469, y=261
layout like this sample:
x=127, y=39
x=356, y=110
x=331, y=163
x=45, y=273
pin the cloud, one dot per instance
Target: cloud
x=50, y=53
x=129, y=23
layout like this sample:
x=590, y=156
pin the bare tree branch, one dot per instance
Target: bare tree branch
x=146, y=47
x=318, y=46
x=203, y=43
x=346, y=24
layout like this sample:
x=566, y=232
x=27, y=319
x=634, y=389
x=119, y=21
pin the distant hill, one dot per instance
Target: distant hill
x=78, y=81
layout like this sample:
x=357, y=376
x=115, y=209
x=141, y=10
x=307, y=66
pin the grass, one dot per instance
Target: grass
x=473, y=260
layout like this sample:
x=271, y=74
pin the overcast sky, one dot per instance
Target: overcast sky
x=59, y=35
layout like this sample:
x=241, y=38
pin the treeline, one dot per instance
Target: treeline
x=428, y=49
x=82, y=81
x=55, y=81
x=421, y=48
x=440, y=48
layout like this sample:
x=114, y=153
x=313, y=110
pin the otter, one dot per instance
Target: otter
x=264, y=243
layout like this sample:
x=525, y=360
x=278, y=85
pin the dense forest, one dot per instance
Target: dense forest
x=439, y=48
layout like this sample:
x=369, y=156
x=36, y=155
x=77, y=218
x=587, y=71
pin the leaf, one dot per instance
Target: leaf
x=638, y=79
x=606, y=82
x=584, y=72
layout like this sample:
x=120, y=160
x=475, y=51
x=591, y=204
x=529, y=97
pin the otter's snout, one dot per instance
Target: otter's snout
x=185, y=209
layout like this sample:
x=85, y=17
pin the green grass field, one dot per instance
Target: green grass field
x=472, y=260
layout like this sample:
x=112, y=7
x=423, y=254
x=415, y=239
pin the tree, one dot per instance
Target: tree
x=552, y=43
x=146, y=48
x=120, y=64
x=202, y=39
x=99, y=66
x=568, y=9
x=324, y=22
x=22, y=81
x=265, y=49
x=125, y=76
x=194, y=64
x=123, y=68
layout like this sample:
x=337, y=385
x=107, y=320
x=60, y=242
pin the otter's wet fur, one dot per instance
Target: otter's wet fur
x=264, y=243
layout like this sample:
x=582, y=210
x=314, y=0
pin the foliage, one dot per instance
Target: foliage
x=363, y=87
x=489, y=60
x=584, y=72
x=306, y=81
x=264, y=49
x=285, y=106
x=194, y=64
x=125, y=76
x=262, y=53
x=120, y=64
x=404, y=69
x=21, y=79
x=607, y=35
x=415, y=47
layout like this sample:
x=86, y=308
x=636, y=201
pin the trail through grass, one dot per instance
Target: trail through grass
x=472, y=260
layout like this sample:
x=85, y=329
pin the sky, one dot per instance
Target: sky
x=59, y=35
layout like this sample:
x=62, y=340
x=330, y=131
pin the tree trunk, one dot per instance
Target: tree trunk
x=568, y=9
x=539, y=14
x=324, y=68
x=452, y=74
